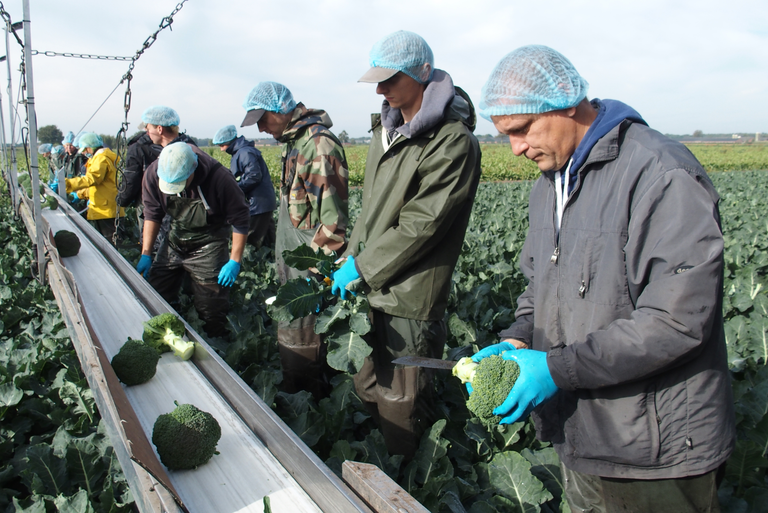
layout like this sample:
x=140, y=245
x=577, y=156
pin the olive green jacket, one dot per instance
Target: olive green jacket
x=417, y=199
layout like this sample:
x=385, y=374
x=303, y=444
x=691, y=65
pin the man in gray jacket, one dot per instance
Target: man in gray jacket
x=619, y=334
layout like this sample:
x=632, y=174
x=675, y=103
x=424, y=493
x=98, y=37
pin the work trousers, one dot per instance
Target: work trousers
x=261, y=230
x=594, y=494
x=203, y=264
x=400, y=397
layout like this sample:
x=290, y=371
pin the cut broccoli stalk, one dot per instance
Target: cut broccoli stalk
x=164, y=332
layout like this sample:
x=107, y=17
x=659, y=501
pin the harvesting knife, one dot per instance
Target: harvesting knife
x=420, y=361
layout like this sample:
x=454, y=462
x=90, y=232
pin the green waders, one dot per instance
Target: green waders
x=302, y=352
x=201, y=250
x=400, y=397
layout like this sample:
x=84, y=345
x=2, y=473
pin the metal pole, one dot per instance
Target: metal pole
x=12, y=149
x=33, y=171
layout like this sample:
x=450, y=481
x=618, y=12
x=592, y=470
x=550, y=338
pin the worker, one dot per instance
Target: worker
x=74, y=162
x=98, y=186
x=619, y=333
x=313, y=211
x=207, y=210
x=162, y=126
x=45, y=150
x=421, y=176
x=252, y=175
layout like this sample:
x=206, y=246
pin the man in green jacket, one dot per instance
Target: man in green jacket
x=312, y=211
x=421, y=176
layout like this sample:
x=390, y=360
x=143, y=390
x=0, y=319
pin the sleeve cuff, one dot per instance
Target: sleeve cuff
x=240, y=230
x=560, y=368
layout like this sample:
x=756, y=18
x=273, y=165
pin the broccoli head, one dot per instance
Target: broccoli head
x=491, y=384
x=51, y=203
x=164, y=332
x=67, y=243
x=185, y=438
x=135, y=363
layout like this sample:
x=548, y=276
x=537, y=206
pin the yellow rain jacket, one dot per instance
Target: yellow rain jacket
x=98, y=185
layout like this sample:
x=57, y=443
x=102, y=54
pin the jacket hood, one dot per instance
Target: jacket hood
x=441, y=101
x=106, y=152
x=610, y=113
x=302, y=118
x=238, y=144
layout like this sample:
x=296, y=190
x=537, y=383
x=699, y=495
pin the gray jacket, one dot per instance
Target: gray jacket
x=629, y=307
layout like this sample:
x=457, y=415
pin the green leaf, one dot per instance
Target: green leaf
x=347, y=351
x=10, y=395
x=328, y=317
x=304, y=257
x=81, y=398
x=511, y=476
x=374, y=450
x=295, y=299
x=78, y=503
x=45, y=473
x=545, y=465
x=360, y=323
x=432, y=449
x=301, y=416
x=746, y=466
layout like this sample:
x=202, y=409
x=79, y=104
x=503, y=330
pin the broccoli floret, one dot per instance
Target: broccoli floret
x=135, y=363
x=51, y=203
x=67, y=243
x=185, y=438
x=164, y=332
x=493, y=379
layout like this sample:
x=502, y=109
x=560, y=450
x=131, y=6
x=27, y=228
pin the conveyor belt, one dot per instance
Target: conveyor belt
x=259, y=454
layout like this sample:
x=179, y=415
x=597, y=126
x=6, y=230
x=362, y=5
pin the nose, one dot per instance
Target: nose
x=260, y=124
x=381, y=88
x=518, y=144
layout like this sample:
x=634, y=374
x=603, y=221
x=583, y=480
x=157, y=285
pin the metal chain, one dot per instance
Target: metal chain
x=122, y=134
x=9, y=24
x=49, y=53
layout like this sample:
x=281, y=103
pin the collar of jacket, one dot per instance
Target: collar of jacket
x=238, y=143
x=302, y=118
x=460, y=108
x=604, y=150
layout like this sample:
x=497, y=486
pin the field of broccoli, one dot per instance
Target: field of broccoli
x=48, y=424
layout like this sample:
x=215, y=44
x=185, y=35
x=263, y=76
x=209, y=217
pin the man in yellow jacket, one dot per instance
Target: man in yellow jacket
x=98, y=185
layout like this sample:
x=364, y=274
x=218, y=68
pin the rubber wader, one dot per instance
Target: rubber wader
x=302, y=352
x=199, y=248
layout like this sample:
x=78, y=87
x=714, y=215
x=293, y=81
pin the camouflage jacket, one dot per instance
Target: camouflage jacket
x=315, y=178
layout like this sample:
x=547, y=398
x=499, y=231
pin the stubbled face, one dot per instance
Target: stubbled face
x=548, y=139
x=274, y=123
x=401, y=91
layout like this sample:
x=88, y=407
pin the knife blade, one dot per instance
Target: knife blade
x=420, y=361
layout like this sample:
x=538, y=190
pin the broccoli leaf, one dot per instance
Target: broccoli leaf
x=296, y=298
x=374, y=450
x=347, y=351
x=304, y=257
x=45, y=473
x=511, y=476
x=328, y=317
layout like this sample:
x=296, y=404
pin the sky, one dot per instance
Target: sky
x=684, y=65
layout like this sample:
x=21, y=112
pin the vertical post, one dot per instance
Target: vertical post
x=33, y=170
x=12, y=147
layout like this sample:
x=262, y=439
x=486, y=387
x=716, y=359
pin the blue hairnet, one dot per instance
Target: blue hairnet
x=57, y=150
x=225, y=135
x=270, y=96
x=44, y=148
x=404, y=51
x=160, y=116
x=76, y=141
x=532, y=80
x=175, y=164
x=69, y=138
x=90, y=140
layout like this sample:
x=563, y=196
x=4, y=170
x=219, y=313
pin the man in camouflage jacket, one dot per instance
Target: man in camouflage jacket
x=313, y=211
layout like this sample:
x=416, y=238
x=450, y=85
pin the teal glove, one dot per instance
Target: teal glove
x=533, y=387
x=73, y=198
x=343, y=277
x=229, y=273
x=145, y=262
x=54, y=186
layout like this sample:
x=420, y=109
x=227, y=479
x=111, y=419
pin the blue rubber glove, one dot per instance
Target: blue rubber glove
x=54, y=186
x=533, y=387
x=229, y=273
x=73, y=198
x=343, y=277
x=145, y=262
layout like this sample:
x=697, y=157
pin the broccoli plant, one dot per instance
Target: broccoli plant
x=185, y=438
x=164, y=332
x=135, y=363
x=342, y=322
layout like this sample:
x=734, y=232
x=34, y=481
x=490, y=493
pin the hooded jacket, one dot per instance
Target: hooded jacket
x=141, y=153
x=420, y=184
x=252, y=175
x=315, y=178
x=628, y=305
x=98, y=185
